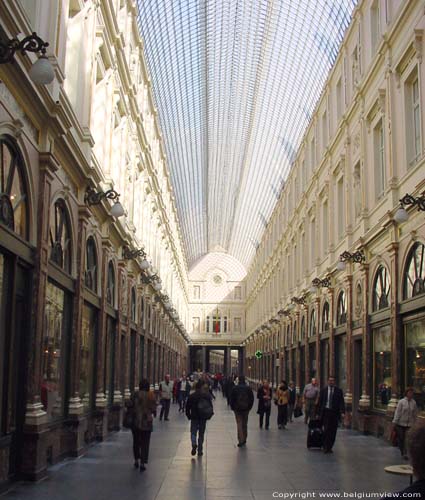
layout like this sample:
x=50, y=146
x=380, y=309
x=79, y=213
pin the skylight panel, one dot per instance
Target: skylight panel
x=235, y=85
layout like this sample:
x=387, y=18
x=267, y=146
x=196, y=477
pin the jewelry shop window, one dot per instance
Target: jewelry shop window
x=382, y=367
x=53, y=358
x=414, y=332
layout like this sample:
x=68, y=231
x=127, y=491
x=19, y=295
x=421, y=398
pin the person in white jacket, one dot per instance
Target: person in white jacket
x=404, y=417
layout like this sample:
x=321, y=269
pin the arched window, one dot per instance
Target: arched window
x=381, y=289
x=133, y=305
x=60, y=236
x=414, y=273
x=312, y=330
x=294, y=333
x=325, y=317
x=288, y=335
x=90, y=278
x=341, y=309
x=110, y=286
x=13, y=189
x=303, y=328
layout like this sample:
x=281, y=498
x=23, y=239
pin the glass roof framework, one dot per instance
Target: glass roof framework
x=235, y=83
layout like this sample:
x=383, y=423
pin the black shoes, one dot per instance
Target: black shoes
x=200, y=453
x=193, y=452
x=142, y=467
x=327, y=451
x=166, y=419
x=136, y=464
x=241, y=444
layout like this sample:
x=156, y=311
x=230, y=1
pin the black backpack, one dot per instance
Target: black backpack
x=242, y=402
x=205, y=409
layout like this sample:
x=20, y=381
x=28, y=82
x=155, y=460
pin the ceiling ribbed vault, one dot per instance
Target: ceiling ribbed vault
x=235, y=83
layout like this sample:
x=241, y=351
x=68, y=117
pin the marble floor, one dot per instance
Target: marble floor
x=274, y=464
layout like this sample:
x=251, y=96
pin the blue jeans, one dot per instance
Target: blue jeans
x=197, y=426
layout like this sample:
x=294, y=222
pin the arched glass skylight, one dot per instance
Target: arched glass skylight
x=236, y=82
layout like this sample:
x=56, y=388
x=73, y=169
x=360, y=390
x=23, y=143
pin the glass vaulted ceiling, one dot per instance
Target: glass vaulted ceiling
x=235, y=83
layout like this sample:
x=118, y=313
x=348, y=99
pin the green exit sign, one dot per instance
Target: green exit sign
x=258, y=354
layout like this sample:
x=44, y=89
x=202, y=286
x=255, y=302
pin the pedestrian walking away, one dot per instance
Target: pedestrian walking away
x=404, y=417
x=264, y=396
x=282, y=400
x=241, y=402
x=165, y=394
x=199, y=409
x=310, y=395
x=331, y=410
x=143, y=407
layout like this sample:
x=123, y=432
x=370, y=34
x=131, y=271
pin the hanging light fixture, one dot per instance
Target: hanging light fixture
x=41, y=71
x=95, y=198
x=402, y=214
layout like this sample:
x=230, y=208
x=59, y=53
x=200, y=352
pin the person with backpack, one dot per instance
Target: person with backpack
x=199, y=409
x=241, y=402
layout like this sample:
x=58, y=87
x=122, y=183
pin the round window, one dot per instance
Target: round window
x=217, y=279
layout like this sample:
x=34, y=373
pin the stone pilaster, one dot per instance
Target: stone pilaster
x=396, y=337
x=34, y=465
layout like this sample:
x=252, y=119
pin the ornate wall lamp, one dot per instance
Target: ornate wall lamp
x=128, y=254
x=320, y=283
x=95, y=198
x=402, y=215
x=41, y=72
x=284, y=312
x=152, y=279
x=357, y=257
x=298, y=300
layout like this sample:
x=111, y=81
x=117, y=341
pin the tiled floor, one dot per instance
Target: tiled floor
x=273, y=463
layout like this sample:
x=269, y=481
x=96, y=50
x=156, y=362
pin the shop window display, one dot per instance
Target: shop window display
x=415, y=361
x=52, y=362
x=88, y=334
x=382, y=366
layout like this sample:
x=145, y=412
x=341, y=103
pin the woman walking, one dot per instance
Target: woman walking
x=282, y=398
x=143, y=405
x=264, y=396
x=404, y=418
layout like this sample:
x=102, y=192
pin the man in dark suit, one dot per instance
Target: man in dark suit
x=331, y=409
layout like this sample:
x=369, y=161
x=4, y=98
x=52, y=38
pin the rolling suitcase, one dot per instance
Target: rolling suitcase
x=314, y=434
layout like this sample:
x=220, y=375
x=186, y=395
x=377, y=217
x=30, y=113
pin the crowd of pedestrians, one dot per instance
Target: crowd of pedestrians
x=323, y=410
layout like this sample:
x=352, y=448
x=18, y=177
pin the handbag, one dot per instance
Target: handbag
x=298, y=412
x=128, y=420
x=394, y=437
